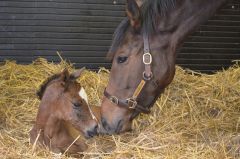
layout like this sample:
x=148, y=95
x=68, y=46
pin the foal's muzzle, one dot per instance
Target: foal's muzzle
x=92, y=130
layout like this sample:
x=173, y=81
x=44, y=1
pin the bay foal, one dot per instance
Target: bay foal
x=63, y=111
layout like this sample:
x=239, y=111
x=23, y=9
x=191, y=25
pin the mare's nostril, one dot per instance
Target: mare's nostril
x=95, y=129
x=104, y=123
x=116, y=129
x=119, y=126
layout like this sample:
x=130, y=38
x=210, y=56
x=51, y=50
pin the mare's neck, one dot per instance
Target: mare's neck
x=188, y=15
x=172, y=30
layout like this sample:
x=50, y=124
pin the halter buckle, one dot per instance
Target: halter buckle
x=147, y=58
x=114, y=100
x=131, y=103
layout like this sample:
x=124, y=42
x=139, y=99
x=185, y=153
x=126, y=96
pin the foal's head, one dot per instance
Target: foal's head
x=64, y=99
x=133, y=87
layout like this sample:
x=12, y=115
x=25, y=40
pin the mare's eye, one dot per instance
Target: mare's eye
x=122, y=59
x=77, y=105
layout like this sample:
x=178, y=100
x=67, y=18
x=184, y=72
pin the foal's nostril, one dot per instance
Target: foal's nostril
x=90, y=133
x=93, y=131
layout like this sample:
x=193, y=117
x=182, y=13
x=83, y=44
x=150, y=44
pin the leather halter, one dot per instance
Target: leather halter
x=131, y=103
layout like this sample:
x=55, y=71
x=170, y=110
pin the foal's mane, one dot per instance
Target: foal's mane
x=44, y=85
x=150, y=10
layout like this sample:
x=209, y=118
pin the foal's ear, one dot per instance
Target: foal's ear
x=77, y=73
x=65, y=75
x=133, y=13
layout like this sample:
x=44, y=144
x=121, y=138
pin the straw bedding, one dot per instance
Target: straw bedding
x=198, y=116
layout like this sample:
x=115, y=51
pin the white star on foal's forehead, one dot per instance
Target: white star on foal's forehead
x=82, y=93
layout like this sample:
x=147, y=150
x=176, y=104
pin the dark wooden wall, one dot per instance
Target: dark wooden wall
x=82, y=31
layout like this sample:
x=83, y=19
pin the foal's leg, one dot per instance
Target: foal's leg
x=74, y=147
x=64, y=141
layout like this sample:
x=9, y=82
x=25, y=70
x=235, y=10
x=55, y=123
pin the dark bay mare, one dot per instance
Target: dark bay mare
x=143, y=54
x=63, y=114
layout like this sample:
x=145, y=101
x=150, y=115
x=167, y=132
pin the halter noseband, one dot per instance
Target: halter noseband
x=131, y=103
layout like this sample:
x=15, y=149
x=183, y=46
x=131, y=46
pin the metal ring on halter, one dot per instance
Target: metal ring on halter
x=131, y=103
x=147, y=78
x=147, y=58
x=114, y=100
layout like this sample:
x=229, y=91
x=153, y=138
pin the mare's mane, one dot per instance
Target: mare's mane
x=150, y=10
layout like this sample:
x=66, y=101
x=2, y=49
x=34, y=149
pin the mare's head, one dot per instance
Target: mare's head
x=134, y=83
x=64, y=99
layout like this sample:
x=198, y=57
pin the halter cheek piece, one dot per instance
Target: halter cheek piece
x=131, y=103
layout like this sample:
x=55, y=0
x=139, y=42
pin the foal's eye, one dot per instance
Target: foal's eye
x=122, y=59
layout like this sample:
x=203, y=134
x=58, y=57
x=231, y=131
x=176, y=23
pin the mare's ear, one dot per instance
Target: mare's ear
x=133, y=13
x=65, y=75
x=77, y=73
